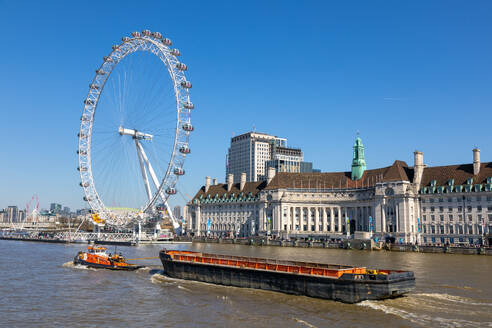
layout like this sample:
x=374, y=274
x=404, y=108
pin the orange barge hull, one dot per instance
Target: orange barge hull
x=335, y=282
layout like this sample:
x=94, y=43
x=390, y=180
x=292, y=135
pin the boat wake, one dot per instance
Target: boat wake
x=76, y=266
x=453, y=298
x=417, y=310
x=307, y=324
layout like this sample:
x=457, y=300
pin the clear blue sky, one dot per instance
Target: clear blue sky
x=408, y=74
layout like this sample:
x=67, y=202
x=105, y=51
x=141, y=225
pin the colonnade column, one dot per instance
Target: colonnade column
x=316, y=219
x=332, y=220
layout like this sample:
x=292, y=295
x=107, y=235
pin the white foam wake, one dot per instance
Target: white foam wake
x=454, y=298
x=423, y=320
x=307, y=324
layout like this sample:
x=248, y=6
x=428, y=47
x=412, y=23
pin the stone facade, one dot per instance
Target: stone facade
x=442, y=204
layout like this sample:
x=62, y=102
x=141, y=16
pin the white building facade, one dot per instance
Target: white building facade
x=419, y=204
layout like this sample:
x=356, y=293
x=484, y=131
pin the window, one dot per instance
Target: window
x=450, y=199
x=460, y=229
x=489, y=208
x=470, y=230
x=425, y=218
x=489, y=198
x=490, y=217
x=433, y=229
x=450, y=209
x=441, y=230
x=433, y=218
x=441, y=209
x=479, y=208
x=469, y=208
x=468, y=199
x=470, y=218
x=460, y=208
x=431, y=200
x=451, y=229
x=479, y=198
x=425, y=229
x=460, y=217
x=441, y=217
x=432, y=208
x=423, y=209
x=450, y=218
x=441, y=200
x=423, y=200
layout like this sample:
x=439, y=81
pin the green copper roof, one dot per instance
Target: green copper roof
x=358, y=161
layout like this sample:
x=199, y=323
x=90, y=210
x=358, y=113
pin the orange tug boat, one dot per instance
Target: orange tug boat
x=96, y=257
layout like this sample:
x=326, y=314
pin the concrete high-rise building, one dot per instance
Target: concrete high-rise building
x=66, y=210
x=177, y=212
x=12, y=214
x=55, y=208
x=248, y=154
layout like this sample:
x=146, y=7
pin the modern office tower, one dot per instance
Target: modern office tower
x=55, y=208
x=177, y=212
x=12, y=214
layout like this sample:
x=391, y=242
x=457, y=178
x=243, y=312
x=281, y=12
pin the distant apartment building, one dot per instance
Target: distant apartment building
x=66, y=210
x=177, y=212
x=55, y=208
x=254, y=152
x=12, y=214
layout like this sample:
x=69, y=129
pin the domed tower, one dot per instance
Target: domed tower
x=358, y=162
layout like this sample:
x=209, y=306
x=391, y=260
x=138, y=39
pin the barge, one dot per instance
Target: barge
x=328, y=281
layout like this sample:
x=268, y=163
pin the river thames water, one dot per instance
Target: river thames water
x=39, y=287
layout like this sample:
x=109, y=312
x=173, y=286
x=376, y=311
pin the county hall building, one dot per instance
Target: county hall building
x=418, y=204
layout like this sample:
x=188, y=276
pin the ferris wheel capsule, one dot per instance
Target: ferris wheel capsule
x=81, y=135
x=136, y=34
x=184, y=149
x=125, y=39
x=81, y=152
x=146, y=33
x=157, y=35
x=186, y=84
x=181, y=66
x=84, y=184
x=100, y=72
x=188, y=127
x=108, y=59
x=82, y=168
x=88, y=102
x=188, y=105
x=87, y=199
x=171, y=191
x=175, y=52
x=94, y=86
x=179, y=171
x=166, y=41
x=116, y=46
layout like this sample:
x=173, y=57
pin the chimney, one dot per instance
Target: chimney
x=215, y=182
x=476, y=161
x=418, y=167
x=230, y=181
x=243, y=181
x=207, y=183
x=270, y=174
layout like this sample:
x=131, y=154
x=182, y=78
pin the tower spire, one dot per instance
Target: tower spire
x=358, y=161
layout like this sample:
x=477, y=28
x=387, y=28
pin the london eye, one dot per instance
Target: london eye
x=134, y=131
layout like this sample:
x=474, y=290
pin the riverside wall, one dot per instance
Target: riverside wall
x=367, y=245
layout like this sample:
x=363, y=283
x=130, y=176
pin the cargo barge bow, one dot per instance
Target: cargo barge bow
x=328, y=281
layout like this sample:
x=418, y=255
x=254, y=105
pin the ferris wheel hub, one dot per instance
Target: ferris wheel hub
x=134, y=133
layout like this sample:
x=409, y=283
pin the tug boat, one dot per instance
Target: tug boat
x=96, y=257
x=342, y=283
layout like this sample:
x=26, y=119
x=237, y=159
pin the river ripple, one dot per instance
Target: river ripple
x=39, y=287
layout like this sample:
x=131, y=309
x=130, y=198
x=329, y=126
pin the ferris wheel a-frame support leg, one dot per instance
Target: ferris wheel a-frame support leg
x=144, y=171
x=142, y=155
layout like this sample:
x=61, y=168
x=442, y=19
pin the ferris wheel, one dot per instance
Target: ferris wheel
x=132, y=152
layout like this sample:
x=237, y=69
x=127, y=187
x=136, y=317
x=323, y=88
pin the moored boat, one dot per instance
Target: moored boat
x=96, y=257
x=329, y=281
